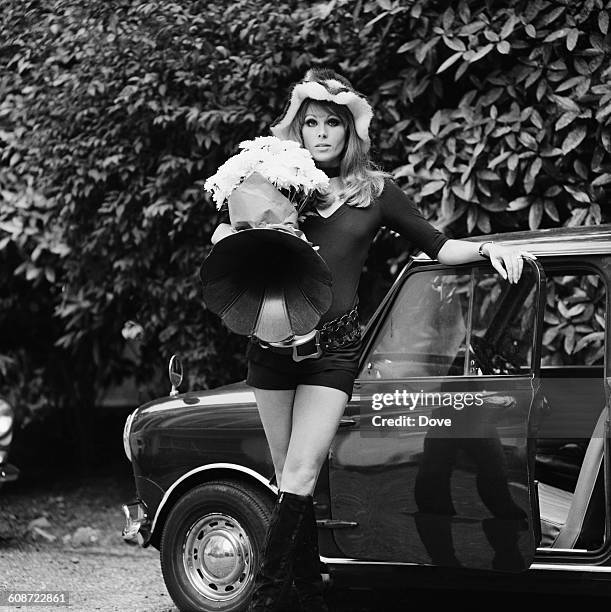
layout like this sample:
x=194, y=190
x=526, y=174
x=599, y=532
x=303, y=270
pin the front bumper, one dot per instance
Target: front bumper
x=8, y=472
x=137, y=523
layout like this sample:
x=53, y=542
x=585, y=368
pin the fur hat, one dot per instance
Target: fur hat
x=327, y=86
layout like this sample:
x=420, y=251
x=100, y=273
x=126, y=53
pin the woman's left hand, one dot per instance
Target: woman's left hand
x=508, y=261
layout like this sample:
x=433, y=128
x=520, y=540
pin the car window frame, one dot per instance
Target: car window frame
x=588, y=263
x=373, y=328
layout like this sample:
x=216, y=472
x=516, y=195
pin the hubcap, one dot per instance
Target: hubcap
x=218, y=557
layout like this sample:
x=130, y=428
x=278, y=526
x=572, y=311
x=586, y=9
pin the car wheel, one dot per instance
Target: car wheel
x=210, y=545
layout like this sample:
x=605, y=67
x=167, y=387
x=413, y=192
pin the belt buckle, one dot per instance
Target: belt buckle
x=314, y=355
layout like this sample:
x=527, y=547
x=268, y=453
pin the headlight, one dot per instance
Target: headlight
x=126, y=432
x=6, y=430
x=6, y=417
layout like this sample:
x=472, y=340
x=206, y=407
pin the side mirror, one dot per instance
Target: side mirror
x=175, y=374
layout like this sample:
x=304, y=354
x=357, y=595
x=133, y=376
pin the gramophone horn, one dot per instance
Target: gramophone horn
x=266, y=282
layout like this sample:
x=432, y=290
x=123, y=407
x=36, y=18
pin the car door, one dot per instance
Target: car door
x=433, y=462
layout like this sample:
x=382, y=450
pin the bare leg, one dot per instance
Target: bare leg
x=276, y=410
x=317, y=411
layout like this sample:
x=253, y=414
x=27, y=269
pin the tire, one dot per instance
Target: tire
x=223, y=516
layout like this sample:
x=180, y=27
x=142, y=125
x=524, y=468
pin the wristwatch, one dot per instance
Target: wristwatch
x=481, y=248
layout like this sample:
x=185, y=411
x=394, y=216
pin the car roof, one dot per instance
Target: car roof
x=591, y=239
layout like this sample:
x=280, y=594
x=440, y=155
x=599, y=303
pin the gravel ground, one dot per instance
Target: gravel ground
x=64, y=534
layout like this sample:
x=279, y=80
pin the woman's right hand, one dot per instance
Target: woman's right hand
x=222, y=231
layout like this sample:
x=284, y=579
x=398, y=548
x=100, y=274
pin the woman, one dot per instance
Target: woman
x=301, y=403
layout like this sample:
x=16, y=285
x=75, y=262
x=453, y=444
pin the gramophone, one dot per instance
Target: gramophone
x=265, y=279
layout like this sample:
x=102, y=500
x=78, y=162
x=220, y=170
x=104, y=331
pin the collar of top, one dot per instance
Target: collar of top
x=328, y=86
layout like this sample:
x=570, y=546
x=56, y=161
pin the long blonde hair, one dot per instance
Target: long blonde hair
x=362, y=180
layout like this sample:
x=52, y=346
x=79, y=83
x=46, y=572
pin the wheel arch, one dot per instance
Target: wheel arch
x=201, y=475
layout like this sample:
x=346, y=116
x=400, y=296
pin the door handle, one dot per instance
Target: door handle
x=347, y=422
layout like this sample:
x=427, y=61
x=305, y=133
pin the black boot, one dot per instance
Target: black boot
x=274, y=578
x=307, y=578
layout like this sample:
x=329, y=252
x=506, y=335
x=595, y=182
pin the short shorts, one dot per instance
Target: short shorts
x=335, y=368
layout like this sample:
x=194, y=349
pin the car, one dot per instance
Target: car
x=8, y=472
x=474, y=449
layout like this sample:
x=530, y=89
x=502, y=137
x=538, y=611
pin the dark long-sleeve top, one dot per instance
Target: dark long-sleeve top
x=345, y=236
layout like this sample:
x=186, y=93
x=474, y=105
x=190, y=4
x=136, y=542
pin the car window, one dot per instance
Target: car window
x=574, y=323
x=452, y=323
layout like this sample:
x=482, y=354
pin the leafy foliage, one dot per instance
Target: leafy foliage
x=574, y=328
x=112, y=114
x=513, y=119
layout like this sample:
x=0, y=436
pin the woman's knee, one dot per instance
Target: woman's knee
x=299, y=479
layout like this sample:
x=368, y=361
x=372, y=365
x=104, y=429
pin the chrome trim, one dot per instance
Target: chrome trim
x=602, y=569
x=585, y=240
x=552, y=250
x=126, y=431
x=131, y=531
x=535, y=566
x=348, y=561
x=204, y=468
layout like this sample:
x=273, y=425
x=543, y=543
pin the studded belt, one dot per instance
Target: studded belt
x=337, y=333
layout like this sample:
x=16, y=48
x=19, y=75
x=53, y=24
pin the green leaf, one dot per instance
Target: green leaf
x=550, y=152
x=494, y=207
x=408, y=46
x=483, y=222
x=603, y=113
x=454, y=43
x=589, y=339
x=551, y=16
x=571, y=39
x=569, y=339
x=603, y=22
x=498, y=159
x=534, y=215
x=581, y=169
x=569, y=83
x=574, y=138
x=436, y=123
x=566, y=104
x=480, y=54
x=472, y=216
x=451, y=60
x=528, y=141
x=551, y=210
x=579, y=195
x=432, y=187
x=519, y=203
x=509, y=26
x=419, y=136
x=535, y=168
x=565, y=119
x=448, y=18
x=550, y=334
x=503, y=47
x=556, y=35
x=603, y=179
x=461, y=70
